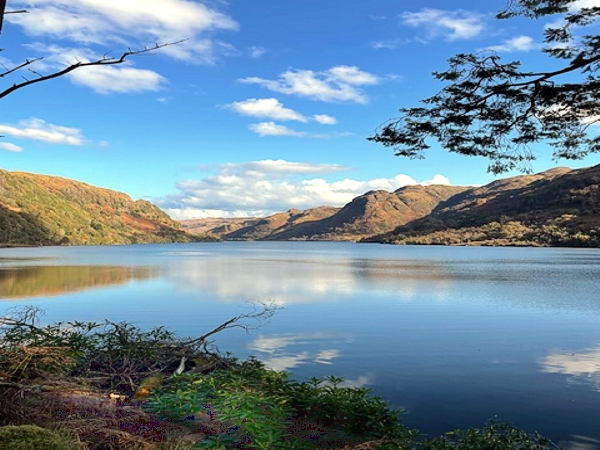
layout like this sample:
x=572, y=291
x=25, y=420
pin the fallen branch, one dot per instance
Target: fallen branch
x=269, y=309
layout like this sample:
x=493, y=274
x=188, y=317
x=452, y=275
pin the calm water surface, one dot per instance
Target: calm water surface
x=454, y=335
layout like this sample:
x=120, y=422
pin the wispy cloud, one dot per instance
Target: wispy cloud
x=273, y=129
x=448, y=25
x=585, y=4
x=121, y=78
x=388, y=44
x=127, y=23
x=256, y=51
x=338, y=84
x=261, y=188
x=91, y=29
x=10, y=147
x=40, y=130
x=516, y=44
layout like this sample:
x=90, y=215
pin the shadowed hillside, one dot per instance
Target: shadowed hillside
x=372, y=213
x=559, y=207
x=47, y=210
x=279, y=224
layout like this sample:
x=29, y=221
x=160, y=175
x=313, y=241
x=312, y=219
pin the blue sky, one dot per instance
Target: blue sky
x=265, y=107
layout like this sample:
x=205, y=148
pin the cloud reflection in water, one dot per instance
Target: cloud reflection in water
x=277, y=356
x=583, y=366
x=301, y=281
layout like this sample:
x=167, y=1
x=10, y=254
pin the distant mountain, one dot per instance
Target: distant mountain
x=559, y=207
x=280, y=224
x=366, y=215
x=216, y=226
x=49, y=210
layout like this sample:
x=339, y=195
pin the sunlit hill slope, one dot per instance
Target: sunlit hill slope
x=48, y=210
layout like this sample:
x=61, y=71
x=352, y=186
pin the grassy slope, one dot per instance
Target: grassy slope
x=47, y=210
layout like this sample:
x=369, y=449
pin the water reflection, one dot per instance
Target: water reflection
x=274, y=350
x=454, y=335
x=580, y=367
x=295, y=281
x=37, y=281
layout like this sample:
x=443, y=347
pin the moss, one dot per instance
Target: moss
x=31, y=437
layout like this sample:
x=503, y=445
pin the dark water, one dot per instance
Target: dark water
x=454, y=335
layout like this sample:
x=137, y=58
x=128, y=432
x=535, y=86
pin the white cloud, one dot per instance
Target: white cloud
x=516, y=44
x=40, y=130
x=256, y=51
x=585, y=4
x=105, y=79
x=262, y=188
x=10, y=147
x=128, y=23
x=338, y=84
x=273, y=129
x=389, y=44
x=450, y=25
x=270, y=166
x=270, y=108
x=324, y=119
x=115, y=79
x=437, y=179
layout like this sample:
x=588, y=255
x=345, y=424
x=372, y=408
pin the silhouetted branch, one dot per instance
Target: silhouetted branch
x=104, y=61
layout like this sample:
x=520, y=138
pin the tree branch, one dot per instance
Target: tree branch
x=20, y=66
x=104, y=61
x=259, y=316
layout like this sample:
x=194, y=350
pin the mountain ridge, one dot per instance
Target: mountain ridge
x=557, y=207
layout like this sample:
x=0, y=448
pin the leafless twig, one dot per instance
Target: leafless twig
x=104, y=61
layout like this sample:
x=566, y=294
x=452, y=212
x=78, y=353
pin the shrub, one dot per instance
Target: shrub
x=255, y=407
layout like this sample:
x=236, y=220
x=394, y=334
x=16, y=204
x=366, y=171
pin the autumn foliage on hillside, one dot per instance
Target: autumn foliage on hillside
x=48, y=210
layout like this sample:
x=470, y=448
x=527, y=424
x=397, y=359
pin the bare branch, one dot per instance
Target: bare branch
x=104, y=61
x=20, y=66
x=268, y=309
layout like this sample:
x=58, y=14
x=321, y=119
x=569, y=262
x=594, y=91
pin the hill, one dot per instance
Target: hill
x=49, y=210
x=366, y=215
x=559, y=207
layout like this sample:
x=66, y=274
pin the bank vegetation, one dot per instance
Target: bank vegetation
x=113, y=386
